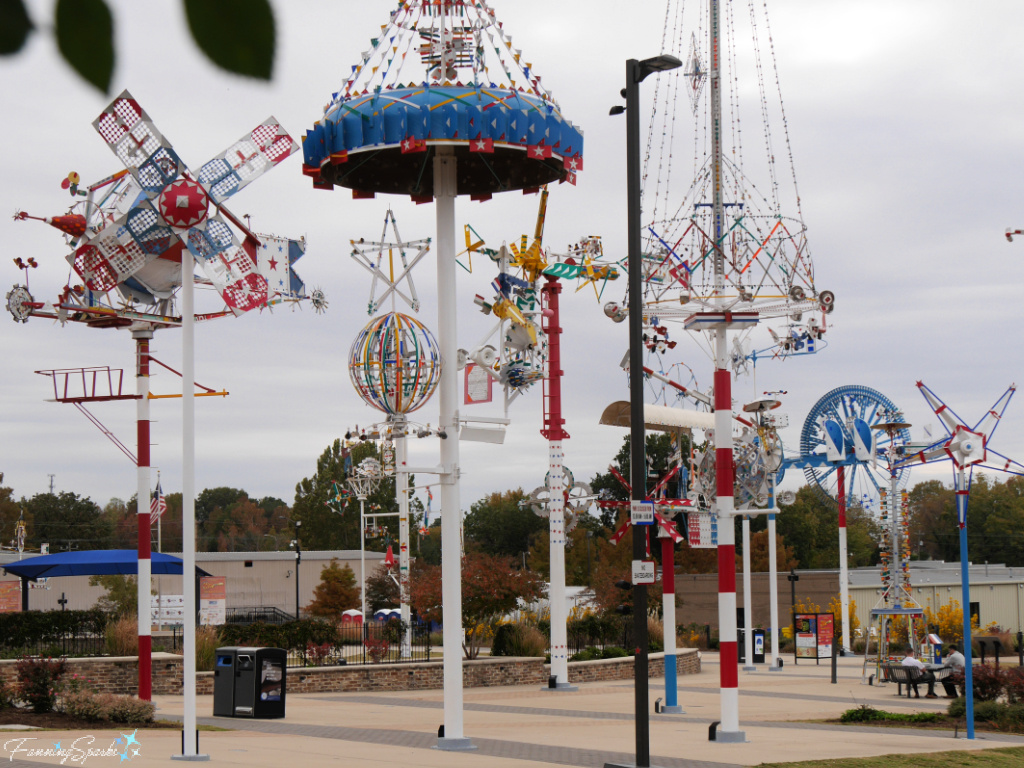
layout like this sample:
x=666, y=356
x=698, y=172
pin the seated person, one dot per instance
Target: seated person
x=920, y=674
x=955, y=661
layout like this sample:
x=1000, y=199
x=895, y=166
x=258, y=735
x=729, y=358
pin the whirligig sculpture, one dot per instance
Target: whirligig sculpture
x=452, y=131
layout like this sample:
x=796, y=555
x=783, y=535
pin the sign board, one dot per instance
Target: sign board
x=643, y=572
x=815, y=634
x=213, y=600
x=167, y=609
x=641, y=512
x=478, y=384
x=702, y=530
x=10, y=596
x=44, y=549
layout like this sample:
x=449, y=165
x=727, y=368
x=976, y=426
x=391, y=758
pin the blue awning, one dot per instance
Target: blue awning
x=95, y=562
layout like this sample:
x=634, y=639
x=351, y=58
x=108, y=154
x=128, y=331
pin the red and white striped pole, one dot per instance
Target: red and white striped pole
x=145, y=570
x=844, y=578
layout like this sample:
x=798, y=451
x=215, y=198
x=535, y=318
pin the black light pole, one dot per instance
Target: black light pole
x=298, y=562
x=636, y=73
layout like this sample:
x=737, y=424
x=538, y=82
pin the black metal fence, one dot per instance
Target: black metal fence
x=375, y=642
x=66, y=645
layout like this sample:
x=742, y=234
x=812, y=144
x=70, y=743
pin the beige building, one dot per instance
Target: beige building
x=253, y=579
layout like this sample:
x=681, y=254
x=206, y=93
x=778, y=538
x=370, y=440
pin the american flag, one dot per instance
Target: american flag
x=158, y=504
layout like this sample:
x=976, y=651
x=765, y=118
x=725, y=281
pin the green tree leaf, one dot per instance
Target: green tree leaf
x=14, y=26
x=85, y=38
x=236, y=35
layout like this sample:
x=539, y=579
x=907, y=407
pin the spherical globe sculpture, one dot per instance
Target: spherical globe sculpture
x=395, y=363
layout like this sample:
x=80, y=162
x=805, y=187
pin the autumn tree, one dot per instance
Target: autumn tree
x=491, y=587
x=382, y=590
x=122, y=595
x=10, y=513
x=322, y=526
x=661, y=454
x=500, y=524
x=67, y=521
x=580, y=550
x=760, y=557
x=337, y=591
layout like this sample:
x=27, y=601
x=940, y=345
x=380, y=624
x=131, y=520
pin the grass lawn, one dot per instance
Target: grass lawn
x=983, y=758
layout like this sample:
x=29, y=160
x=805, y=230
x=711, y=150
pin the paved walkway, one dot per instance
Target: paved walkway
x=524, y=727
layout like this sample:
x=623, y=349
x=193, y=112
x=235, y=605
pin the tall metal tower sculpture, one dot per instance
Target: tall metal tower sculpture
x=435, y=140
x=129, y=240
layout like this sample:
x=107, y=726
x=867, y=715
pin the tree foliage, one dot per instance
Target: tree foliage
x=122, y=596
x=236, y=35
x=322, y=526
x=382, y=591
x=499, y=524
x=337, y=592
x=66, y=521
x=491, y=587
x=660, y=453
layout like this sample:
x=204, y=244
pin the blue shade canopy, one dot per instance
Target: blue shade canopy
x=95, y=562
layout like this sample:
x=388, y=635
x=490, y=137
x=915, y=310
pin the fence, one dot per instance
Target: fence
x=66, y=645
x=376, y=642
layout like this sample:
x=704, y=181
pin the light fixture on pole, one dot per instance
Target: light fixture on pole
x=636, y=72
x=362, y=483
x=298, y=563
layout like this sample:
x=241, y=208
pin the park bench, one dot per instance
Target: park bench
x=902, y=676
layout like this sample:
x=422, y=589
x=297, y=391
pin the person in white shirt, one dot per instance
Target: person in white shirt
x=955, y=661
x=924, y=675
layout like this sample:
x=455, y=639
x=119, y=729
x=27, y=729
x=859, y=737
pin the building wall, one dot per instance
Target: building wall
x=119, y=675
x=697, y=595
x=1002, y=603
x=268, y=580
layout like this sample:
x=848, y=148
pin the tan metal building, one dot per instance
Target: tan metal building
x=253, y=579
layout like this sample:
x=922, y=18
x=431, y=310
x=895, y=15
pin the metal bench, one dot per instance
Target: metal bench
x=903, y=676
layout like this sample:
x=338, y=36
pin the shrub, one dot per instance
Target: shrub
x=586, y=654
x=36, y=629
x=866, y=714
x=316, y=654
x=519, y=640
x=207, y=642
x=85, y=705
x=1014, y=680
x=7, y=694
x=68, y=686
x=122, y=636
x=37, y=681
x=989, y=682
x=377, y=648
x=614, y=652
x=128, y=709
x=957, y=707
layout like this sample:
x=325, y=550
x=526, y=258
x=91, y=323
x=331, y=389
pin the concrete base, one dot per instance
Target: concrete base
x=191, y=758
x=774, y=669
x=751, y=668
x=731, y=737
x=561, y=688
x=455, y=745
x=623, y=765
x=673, y=710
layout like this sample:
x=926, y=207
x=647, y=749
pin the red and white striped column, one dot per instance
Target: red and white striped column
x=844, y=577
x=724, y=478
x=144, y=577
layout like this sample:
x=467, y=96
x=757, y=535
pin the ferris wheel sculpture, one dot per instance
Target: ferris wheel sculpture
x=837, y=434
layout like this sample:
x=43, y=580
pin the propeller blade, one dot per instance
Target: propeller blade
x=225, y=262
x=246, y=160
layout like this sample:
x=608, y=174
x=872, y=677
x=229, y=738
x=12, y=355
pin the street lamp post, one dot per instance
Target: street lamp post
x=636, y=73
x=298, y=563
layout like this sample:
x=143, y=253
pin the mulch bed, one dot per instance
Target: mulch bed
x=62, y=722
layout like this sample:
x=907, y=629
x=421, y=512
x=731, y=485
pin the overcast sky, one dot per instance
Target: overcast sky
x=906, y=123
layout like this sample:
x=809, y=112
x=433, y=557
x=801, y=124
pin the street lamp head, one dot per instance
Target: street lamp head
x=618, y=109
x=661, y=63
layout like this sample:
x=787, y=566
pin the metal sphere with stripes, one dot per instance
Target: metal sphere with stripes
x=395, y=363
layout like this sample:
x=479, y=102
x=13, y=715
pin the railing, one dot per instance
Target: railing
x=69, y=645
x=250, y=615
x=373, y=643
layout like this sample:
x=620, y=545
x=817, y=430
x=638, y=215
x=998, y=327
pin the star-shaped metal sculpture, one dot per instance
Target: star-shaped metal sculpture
x=967, y=447
x=378, y=258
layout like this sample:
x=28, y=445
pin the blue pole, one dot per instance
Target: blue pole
x=965, y=585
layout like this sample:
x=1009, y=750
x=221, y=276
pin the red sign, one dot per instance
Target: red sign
x=10, y=596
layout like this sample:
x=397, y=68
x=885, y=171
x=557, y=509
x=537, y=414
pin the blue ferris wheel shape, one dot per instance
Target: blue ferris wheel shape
x=863, y=480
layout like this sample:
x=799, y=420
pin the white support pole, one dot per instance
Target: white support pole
x=748, y=627
x=445, y=188
x=773, y=590
x=556, y=591
x=402, y=491
x=844, y=574
x=188, y=514
x=144, y=579
x=362, y=557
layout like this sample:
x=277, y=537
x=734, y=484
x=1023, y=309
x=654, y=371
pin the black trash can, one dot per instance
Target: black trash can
x=758, y=653
x=741, y=645
x=250, y=682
